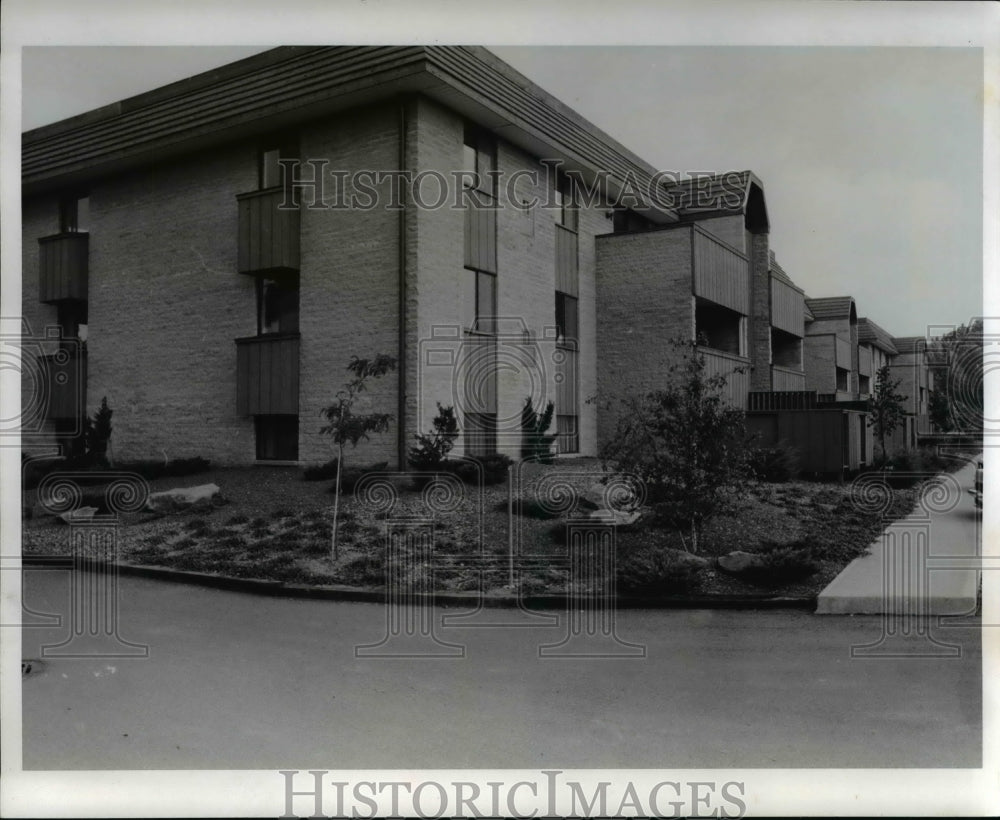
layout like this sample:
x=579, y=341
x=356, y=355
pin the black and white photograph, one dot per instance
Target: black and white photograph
x=533, y=411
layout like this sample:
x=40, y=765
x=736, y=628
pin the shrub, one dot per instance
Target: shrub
x=775, y=464
x=432, y=448
x=537, y=444
x=350, y=476
x=491, y=469
x=782, y=566
x=659, y=572
x=320, y=472
x=529, y=508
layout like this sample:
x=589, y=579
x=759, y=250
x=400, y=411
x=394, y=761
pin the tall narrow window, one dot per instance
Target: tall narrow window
x=277, y=437
x=569, y=213
x=74, y=214
x=277, y=306
x=270, y=168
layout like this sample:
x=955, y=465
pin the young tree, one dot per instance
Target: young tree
x=686, y=443
x=939, y=410
x=344, y=426
x=432, y=448
x=537, y=443
x=885, y=407
x=956, y=360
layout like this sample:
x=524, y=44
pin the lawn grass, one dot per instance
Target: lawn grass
x=277, y=527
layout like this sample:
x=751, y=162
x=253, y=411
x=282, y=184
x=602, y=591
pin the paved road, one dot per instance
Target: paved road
x=238, y=681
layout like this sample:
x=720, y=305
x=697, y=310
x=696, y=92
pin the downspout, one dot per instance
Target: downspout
x=401, y=244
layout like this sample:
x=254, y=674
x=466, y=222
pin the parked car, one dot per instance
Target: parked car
x=977, y=491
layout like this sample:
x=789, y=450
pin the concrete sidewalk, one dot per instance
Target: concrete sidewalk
x=923, y=564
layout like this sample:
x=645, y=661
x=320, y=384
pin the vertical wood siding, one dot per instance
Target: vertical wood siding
x=721, y=274
x=737, y=384
x=62, y=267
x=66, y=386
x=787, y=308
x=480, y=232
x=843, y=353
x=268, y=234
x=478, y=370
x=267, y=375
x=785, y=378
x=567, y=275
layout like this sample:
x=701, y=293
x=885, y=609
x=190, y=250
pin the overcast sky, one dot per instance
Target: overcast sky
x=871, y=157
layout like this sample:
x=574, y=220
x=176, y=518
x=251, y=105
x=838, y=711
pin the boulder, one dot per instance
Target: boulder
x=739, y=561
x=79, y=515
x=621, y=518
x=684, y=557
x=183, y=498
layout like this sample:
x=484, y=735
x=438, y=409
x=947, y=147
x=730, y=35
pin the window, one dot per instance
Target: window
x=479, y=159
x=72, y=318
x=841, y=379
x=864, y=384
x=74, y=214
x=567, y=317
x=480, y=300
x=567, y=438
x=277, y=438
x=480, y=434
x=277, y=306
x=568, y=214
x=270, y=168
x=719, y=327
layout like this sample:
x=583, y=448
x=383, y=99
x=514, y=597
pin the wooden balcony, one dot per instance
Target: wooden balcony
x=65, y=386
x=787, y=308
x=268, y=233
x=721, y=273
x=727, y=364
x=267, y=380
x=63, y=267
x=843, y=353
x=787, y=378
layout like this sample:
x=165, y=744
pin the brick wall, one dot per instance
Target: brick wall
x=349, y=279
x=819, y=357
x=644, y=289
x=760, y=312
x=165, y=303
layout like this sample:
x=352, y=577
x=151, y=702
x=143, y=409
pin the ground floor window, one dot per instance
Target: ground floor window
x=277, y=438
x=480, y=434
x=864, y=384
x=568, y=434
x=842, y=380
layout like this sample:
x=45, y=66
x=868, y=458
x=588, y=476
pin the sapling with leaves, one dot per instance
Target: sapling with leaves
x=344, y=426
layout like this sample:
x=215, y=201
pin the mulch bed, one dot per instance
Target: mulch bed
x=272, y=525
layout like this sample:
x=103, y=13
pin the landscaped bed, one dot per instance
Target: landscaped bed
x=272, y=525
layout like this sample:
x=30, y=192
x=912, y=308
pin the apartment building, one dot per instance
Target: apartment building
x=695, y=279
x=875, y=351
x=910, y=368
x=211, y=254
x=831, y=347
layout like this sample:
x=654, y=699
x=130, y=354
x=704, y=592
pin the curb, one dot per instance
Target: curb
x=465, y=600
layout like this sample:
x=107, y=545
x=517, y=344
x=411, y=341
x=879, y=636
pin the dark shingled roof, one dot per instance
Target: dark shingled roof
x=871, y=334
x=831, y=307
x=909, y=344
x=716, y=193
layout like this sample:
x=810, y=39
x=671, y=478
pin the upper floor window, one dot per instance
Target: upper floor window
x=74, y=214
x=277, y=306
x=480, y=300
x=478, y=160
x=269, y=168
x=568, y=214
x=567, y=318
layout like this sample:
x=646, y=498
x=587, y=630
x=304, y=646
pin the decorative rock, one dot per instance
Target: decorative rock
x=739, y=561
x=78, y=515
x=182, y=498
x=621, y=518
x=684, y=557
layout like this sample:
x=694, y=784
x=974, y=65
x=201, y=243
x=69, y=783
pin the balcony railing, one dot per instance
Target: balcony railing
x=268, y=233
x=62, y=267
x=843, y=353
x=787, y=378
x=736, y=369
x=721, y=274
x=267, y=375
